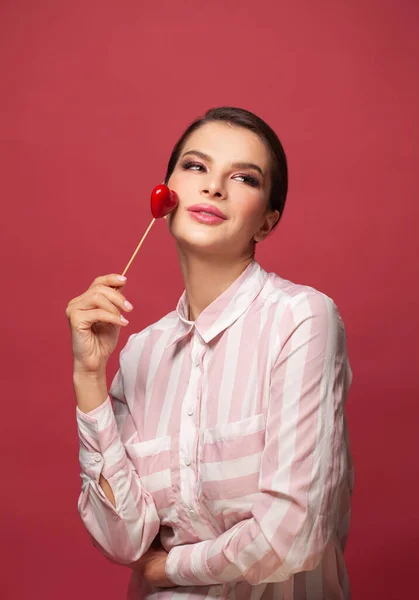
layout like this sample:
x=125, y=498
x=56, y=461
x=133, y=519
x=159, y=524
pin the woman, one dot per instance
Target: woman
x=223, y=468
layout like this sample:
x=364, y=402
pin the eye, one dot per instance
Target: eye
x=192, y=166
x=249, y=180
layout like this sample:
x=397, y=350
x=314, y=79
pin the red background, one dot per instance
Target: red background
x=94, y=95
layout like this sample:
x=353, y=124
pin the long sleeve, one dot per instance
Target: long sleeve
x=124, y=532
x=303, y=463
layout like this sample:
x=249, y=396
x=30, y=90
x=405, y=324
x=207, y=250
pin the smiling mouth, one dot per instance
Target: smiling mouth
x=207, y=210
x=206, y=217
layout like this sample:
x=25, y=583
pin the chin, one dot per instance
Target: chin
x=201, y=241
x=188, y=232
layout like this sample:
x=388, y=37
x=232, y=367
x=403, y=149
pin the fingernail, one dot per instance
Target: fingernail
x=124, y=320
x=128, y=305
x=121, y=278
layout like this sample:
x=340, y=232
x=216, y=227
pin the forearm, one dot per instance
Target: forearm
x=91, y=392
x=152, y=567
x=246, y=553
x=90, y=388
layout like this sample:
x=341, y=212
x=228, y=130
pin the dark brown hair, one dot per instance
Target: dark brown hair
x=240, y=117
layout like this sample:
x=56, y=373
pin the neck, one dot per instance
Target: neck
x=207, y=277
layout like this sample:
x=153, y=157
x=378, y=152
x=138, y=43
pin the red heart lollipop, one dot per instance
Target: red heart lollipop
x=163, y=201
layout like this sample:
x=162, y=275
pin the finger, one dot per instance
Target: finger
x=84, y=319
x=91, y=297
x=115, y=297
x=111, y=280
x=98, y=300
x=99, y=297
x=118, y=299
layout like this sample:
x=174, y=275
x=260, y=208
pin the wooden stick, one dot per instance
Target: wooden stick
x=139, y=246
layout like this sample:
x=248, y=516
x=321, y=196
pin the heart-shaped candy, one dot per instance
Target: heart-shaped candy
x=163, y=201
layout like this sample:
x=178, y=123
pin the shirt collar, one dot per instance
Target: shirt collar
x=225, y=309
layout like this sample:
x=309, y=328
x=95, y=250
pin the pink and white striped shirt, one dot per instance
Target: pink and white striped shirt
x=228, y=438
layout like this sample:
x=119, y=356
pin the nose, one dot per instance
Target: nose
x=213, y=187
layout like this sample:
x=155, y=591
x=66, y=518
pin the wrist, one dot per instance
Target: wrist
x=80, y=371
x=81, y=376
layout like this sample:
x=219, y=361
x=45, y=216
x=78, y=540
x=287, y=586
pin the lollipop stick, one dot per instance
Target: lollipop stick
x=139, y=246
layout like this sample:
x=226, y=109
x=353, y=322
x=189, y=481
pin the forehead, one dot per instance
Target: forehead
x=229, y=143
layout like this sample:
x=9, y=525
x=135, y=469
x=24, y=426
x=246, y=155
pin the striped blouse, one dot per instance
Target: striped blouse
x=227, y=437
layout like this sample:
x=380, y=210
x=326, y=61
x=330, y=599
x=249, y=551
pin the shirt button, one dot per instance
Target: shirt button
x=197, y=361
x=192, y=514
x=218, y=591
x=190, y=411
x=187, y=461
x=97, y=457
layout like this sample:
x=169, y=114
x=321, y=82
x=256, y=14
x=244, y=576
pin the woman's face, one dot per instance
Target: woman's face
x=227, y=168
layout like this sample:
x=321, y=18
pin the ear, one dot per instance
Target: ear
x=265, y=229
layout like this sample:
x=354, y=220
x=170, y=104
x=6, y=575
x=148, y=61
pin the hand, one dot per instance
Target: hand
x=95, y=323
x=152, y=566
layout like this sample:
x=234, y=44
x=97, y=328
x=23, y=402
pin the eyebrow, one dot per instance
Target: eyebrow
x=236, y=165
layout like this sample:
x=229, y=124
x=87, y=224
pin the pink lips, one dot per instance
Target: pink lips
x=203, y=209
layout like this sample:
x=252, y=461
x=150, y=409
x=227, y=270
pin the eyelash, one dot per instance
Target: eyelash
x=248, y=179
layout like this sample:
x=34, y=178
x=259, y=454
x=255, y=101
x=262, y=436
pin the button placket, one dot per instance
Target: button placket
x=188, y=433
x=198, y=352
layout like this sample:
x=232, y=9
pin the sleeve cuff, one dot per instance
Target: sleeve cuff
x=186, y=566
x=101, y=449
x=96, y=413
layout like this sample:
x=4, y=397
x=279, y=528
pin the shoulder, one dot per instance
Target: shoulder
x=294, y=304
x=306, y=321
x=162, y=329
x=138, y=350
x=293, y=295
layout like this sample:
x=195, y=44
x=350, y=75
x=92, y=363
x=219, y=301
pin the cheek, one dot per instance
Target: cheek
x=181, y=185
x=250, y=208
x=175, y=183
